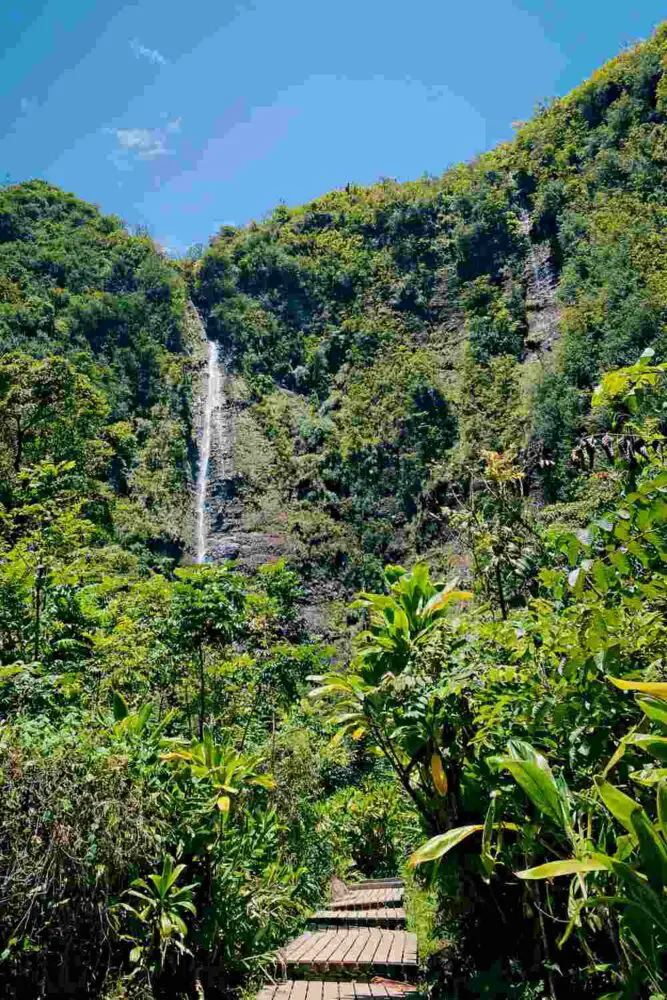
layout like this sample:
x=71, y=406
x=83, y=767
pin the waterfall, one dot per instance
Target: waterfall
x=222, y=528
x=541, y=278
x=211, y=415
x=542, y=310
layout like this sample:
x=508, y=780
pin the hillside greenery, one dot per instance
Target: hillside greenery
x=390, y=334
x=450, y=397
x=162, y=780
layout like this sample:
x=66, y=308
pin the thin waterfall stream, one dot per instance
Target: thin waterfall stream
x=211, y=417
x=223, y=530
x=542, y=280
x=543, y=313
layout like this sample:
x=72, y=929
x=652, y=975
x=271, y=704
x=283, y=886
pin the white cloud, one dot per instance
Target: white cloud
x=134, y=144
x=146, y=143
x=143, y=52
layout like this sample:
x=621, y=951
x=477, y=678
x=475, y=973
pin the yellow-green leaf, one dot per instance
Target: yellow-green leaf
x=438, y=774
x=438, y=846
x=657, y=688
x=554, y=869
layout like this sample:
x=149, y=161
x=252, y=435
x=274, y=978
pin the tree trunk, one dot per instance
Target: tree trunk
x=37, y=599
x=202, y=691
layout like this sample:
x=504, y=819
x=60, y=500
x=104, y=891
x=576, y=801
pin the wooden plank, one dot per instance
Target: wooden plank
x=359, y=943
x=396, y=950
x=299, y=990
x=283, y=990
x=330, y=991
x=367, y=899
x=362, y=991
x=375, y=883
x=314, y=990
x=295, y=949
x=384, y=914
x=378, y=990
x=368, y=954
x=384, y=947
x=337, y=955
x=329, y=941
x=314, y=957
x=410, y=952
x=396, y=990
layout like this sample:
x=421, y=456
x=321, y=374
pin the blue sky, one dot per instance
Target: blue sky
x=186, y=116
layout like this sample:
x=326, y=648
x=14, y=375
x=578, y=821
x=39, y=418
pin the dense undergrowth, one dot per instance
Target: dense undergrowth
x=183, y=765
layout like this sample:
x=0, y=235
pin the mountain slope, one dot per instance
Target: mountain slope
x=385, y=336
x=94, y=368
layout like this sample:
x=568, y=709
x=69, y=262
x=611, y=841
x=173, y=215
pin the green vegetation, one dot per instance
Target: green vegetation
x=514, y=746
x=388, y=335
x=142, y=705
x=451, y=397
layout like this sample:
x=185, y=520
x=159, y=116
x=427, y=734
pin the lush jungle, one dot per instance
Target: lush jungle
x=450, y=401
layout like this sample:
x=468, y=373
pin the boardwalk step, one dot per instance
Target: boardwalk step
x=351, y=954
x=368, y=899
x=377, y=883
x=316, y=990
x=384, y=916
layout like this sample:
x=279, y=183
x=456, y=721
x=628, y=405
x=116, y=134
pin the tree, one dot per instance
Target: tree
x=48, y=410
x=206, y=611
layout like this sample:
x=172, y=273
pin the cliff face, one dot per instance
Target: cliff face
x=224, y=527
x=381, y=338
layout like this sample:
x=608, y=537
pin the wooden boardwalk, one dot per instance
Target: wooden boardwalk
x=318, y=990
x=350, y=953
x=367, y=899
x=356, y=948
x=383, y=916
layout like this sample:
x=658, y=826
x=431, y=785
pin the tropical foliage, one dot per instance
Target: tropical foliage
x=449, y=395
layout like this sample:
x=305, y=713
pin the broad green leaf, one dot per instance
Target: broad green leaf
x=649, y=775
x=173, y=873
x=445, y=597
x=656, y=746
x=438, y=774
x=652, y=850
x=622, y=530
x=620, y=561
x=654, y=708
x=600, y=576
x=531, y=771
x=144, y=715
x=438, y=846
x=657, y=688
x=120, y=707
x=618, y=753
x=487, y=832
x=620, y=805
x=263, y=780
x=661, y=803
x=573, y=866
